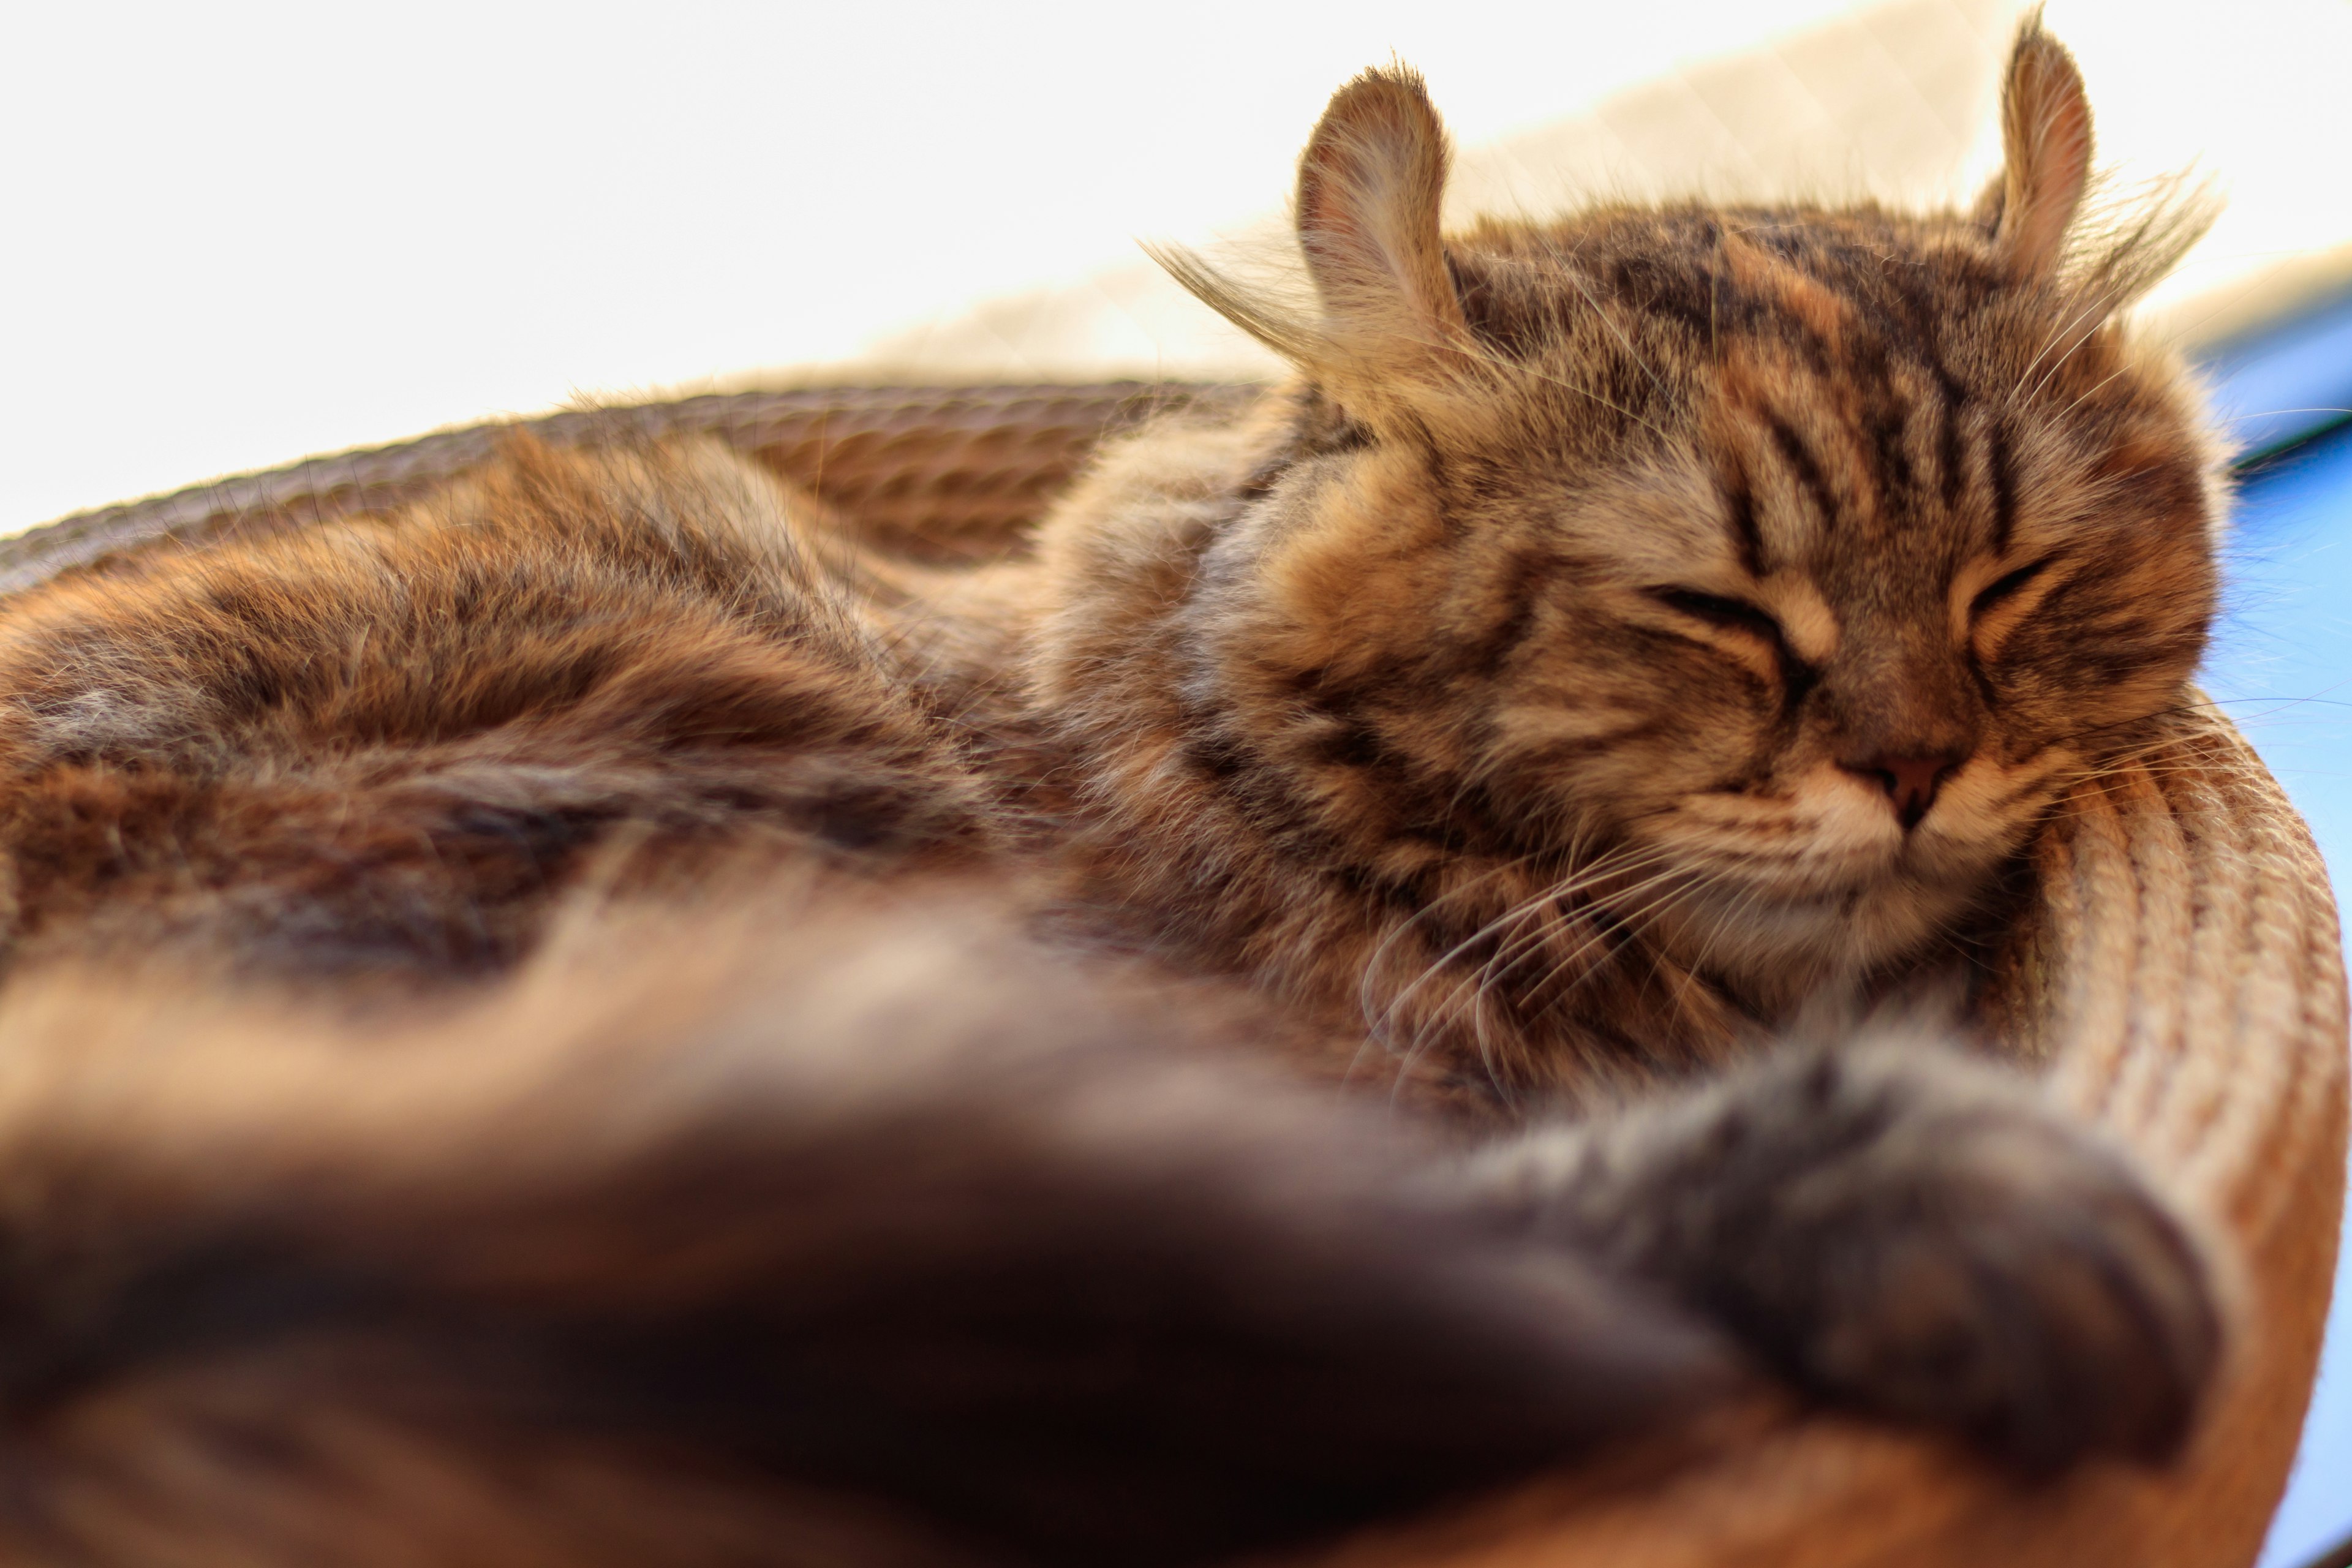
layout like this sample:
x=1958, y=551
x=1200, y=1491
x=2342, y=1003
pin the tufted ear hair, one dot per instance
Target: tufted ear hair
x=1386, y=328
x=2045, y=123
x=1369, y=186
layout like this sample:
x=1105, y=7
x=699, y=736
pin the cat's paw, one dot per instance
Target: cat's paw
x=1906, y=1234
x=1915, y=1247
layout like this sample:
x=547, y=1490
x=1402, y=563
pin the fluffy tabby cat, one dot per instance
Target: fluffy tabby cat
x=1627, y=637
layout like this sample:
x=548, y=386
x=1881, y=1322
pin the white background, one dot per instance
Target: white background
x=231, y=236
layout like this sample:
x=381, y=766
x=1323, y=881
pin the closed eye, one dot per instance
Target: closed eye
x=1797, y=677
x=1737, y=614
x=2006, y=588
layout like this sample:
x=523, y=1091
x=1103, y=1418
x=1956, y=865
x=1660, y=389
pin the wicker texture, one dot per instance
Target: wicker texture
x=2179, y=978
x=939, y=470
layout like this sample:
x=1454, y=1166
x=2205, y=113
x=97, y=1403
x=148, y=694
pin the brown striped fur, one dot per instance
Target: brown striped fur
x=1558, y=670
x=571, y=1024
x=384, y=744
x=712, y=1238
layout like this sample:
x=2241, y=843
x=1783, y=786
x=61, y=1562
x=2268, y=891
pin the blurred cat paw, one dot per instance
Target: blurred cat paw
x=1977, y=1264
x=1906, y=1234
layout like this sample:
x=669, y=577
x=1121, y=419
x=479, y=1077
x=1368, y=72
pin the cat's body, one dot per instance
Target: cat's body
x=1628, y=634
x=382, y=747
x=781, y=1224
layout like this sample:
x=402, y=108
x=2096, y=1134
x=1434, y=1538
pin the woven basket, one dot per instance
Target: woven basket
x=2179, y=978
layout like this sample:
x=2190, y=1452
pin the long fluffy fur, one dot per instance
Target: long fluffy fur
x=1626, y=633
x=383, y=746
x=724, y=1210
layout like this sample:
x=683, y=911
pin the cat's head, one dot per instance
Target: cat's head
x=1798, y=557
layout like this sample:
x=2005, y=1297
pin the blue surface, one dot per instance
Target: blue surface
x=2276, y=387
x=2283, y=665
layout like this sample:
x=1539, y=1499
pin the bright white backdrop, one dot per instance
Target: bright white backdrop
x=234, y=234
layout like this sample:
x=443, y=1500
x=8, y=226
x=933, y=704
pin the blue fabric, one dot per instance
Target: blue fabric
x=2289, y=383
x=2283, y=665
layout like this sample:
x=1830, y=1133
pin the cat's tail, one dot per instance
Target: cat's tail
x=820, y=1238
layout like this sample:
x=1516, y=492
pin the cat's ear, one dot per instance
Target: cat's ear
x=2045, y=125
x=1385, y=329
x=1369, y=186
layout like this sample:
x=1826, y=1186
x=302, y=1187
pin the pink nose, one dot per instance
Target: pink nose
x=1910, y=782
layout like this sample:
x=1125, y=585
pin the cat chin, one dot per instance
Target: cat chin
x=1777, y=948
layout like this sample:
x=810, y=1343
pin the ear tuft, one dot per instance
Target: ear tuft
x=1369, y=186
x=2045, y=121
x=1386, y=328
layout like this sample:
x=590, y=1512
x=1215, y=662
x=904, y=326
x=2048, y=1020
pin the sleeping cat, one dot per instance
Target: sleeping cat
x=1627, y=638
x=1630, y=631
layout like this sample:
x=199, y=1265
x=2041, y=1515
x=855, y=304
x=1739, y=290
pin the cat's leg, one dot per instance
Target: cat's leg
x=1901, y=1231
